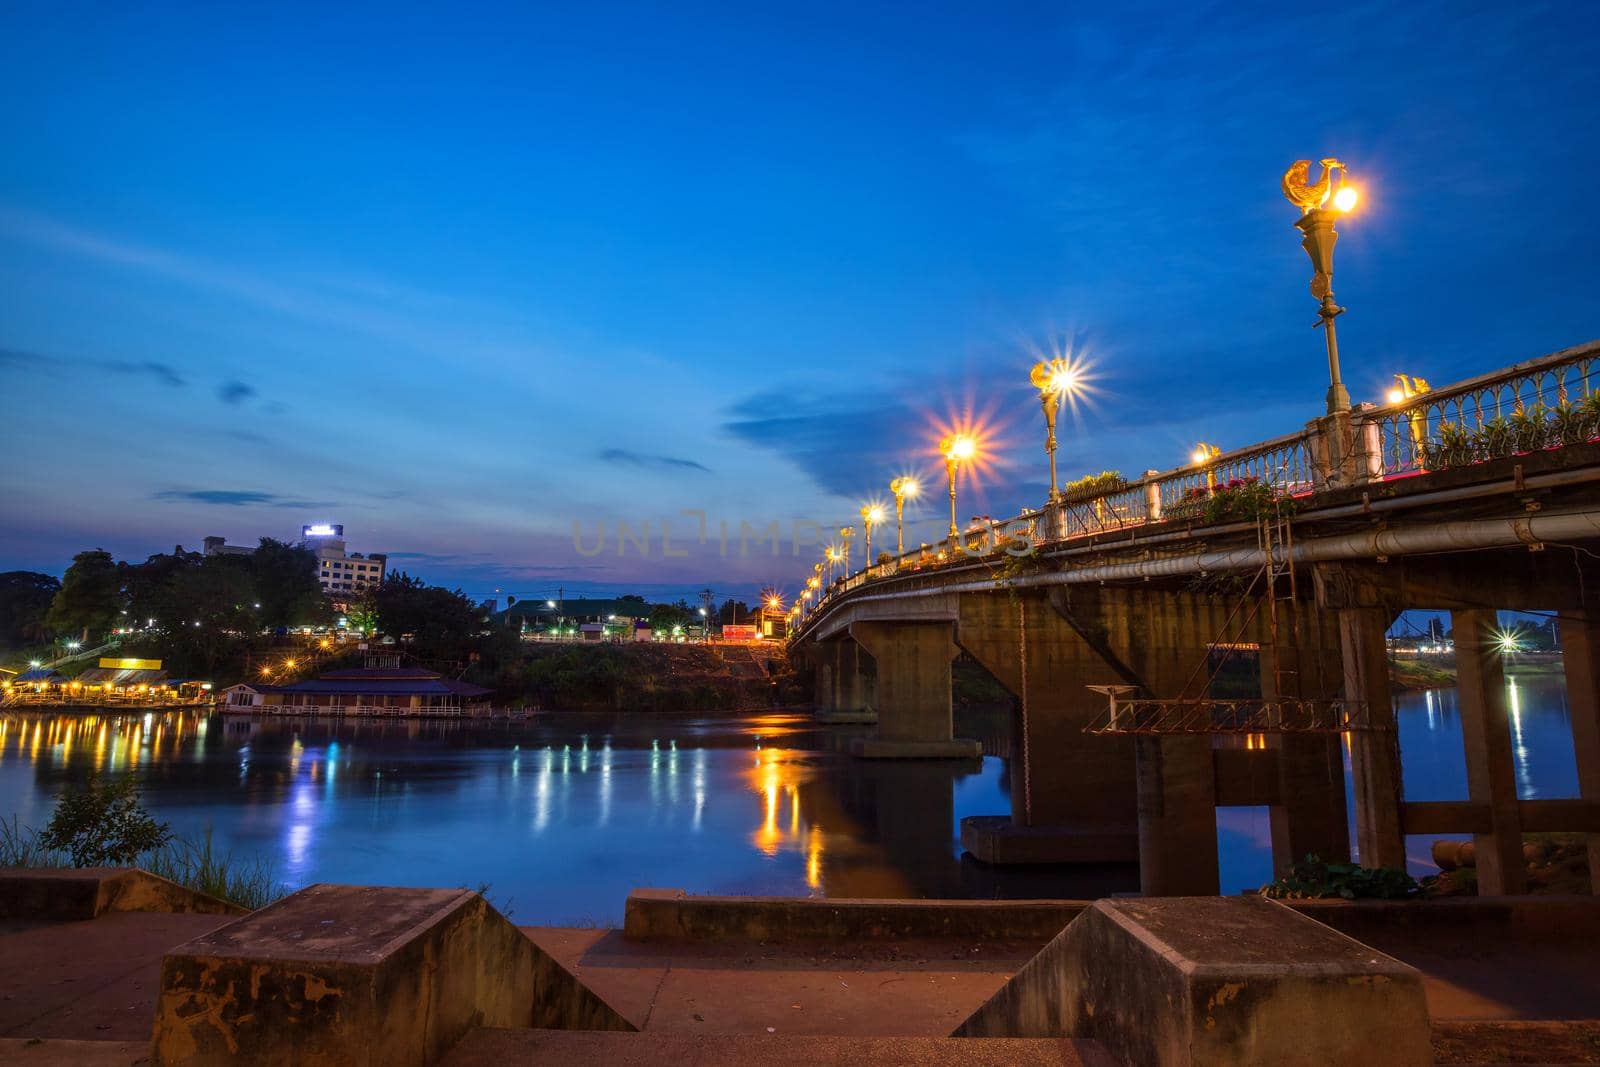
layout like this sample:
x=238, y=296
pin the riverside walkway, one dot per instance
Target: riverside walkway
x=752, y=980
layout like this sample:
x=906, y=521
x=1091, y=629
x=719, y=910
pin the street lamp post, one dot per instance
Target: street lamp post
x=957, y=449
x=847, y=532
x=902, y=488
x=1316, y=223
x=1053, y=378
x=1203, y=456
x=871, y=515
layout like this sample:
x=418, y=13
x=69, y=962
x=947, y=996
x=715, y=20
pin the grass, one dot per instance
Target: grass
x=193, y=862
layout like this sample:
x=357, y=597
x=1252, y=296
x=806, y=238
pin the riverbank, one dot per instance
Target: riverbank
x=1413, y=673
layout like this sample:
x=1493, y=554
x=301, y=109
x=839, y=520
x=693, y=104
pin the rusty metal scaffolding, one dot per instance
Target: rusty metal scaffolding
x=1210, y=716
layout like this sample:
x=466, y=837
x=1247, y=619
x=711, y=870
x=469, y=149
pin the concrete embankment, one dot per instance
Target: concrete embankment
x=350, y=974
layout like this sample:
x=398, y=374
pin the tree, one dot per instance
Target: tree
x=103, y=825
x=286, y=585
x=90, y=596
x=435, y=618
x=663, y=617
x=25, y=598
x=734, y=611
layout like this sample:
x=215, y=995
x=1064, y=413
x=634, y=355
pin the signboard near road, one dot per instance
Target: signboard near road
x=739, y=632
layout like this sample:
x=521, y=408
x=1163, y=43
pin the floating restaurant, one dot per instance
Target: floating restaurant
x=379, y=689
x=125, y=682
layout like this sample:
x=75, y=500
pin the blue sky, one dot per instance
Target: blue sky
x=460, y=278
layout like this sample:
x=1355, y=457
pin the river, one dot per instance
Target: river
x=561, y=816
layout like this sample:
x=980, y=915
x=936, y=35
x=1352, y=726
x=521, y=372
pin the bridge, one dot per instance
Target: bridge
x=1215, y=635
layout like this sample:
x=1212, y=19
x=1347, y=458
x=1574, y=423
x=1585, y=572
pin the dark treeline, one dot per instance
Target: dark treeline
x=211, y=617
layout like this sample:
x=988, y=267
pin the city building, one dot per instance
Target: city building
x=382, y=687
x=218, y=546
x=343, y=575
x=537, y=614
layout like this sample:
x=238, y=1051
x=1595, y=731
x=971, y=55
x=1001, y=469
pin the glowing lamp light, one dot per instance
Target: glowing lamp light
x=549, y=603
x=288, y=663
x=958, y=447
x=1396, y=396
x=1346, y=198
x=874, y=514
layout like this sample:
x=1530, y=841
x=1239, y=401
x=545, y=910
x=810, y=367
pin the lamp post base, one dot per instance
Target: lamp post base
x=1338, y=398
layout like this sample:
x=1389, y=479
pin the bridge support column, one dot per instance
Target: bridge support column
x=1374, y=754
x=843, y=685
x=913, y=691
x=1580, y=648
x=1072, y=793
x=1486, y=737
x=1309, y=815
x=1177, y=817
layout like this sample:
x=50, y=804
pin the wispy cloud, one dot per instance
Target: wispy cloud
x=154, y=370
x=235, y=392
x=238, y=498
x=647, y=459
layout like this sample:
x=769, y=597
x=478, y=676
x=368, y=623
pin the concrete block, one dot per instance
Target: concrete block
x=878, y=748
x=495, y=1048
x=673, y=915
x=996, y=840
x=360, y=975
x=88, y=892
x=1212, y=981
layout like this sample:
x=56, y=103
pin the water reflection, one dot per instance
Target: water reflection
x=562, y=816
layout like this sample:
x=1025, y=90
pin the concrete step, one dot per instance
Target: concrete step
x=502, y=1048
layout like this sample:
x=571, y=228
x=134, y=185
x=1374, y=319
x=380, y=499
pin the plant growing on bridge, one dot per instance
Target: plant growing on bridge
x=1312, y=879
x=1573, y=424
x=1245, y=500
x=1093, y=485
x=1457, y=446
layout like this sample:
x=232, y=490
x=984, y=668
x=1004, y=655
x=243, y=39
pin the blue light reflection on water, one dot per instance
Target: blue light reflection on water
x=562, y=817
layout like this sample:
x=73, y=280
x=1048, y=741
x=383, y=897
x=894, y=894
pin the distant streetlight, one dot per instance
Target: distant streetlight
x=835, y=555
x=1054, y=378
x=847, y=532
x=957, y=448
x=74, y=645
x=871, y=515
x=1316, y=222
x=902, y=488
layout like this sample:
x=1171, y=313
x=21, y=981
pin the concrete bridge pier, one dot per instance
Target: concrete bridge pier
x=844, y=686
x=1580, y=644
x=912, y=663
x=1072, y=793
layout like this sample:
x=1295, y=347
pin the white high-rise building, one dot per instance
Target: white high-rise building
x=343, y=575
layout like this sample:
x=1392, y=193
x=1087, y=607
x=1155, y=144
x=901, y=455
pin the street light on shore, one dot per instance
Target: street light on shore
x=1054, y=378
x=902, y=488
x=957, y=448
x=1316, y=223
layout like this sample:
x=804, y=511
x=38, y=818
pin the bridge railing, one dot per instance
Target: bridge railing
x=1532, y=405
x=1540, y=403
